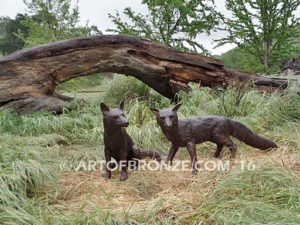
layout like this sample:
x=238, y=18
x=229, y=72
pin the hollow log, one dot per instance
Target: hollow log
x=28, y=78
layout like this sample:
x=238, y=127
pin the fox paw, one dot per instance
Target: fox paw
x=194, y=172
x=123, y=177
x=106, y=175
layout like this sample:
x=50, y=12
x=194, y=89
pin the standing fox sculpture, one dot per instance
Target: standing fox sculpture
x=189, y=132
x=118, y=144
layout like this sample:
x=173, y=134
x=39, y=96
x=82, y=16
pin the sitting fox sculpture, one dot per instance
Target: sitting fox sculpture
x=118, y=144
x=189, y=132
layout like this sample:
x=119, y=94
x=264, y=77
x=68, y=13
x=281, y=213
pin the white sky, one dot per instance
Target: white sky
x=96, y=12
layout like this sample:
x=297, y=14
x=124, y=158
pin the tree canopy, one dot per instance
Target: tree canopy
x=173, y=23
x=9, y=28
x=265, y=29
x=54, y=20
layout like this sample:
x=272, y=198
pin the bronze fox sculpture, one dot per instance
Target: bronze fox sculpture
x=189, y=132
x=118, y=144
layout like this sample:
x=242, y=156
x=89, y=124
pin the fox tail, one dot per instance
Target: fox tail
x=246, y=135
x=140, y=153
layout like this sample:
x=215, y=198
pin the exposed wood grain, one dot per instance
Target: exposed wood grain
x=28, y=78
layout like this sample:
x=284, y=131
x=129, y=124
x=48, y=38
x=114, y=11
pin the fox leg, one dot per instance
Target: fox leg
x=191, y=147
x=123, y=165
x=222, y=137
x=107, y=174
x=172, y=152
x=218, y=150
x=232, y=147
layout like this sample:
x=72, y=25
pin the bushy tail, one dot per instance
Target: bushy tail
x=244, y=134
x=140, y=153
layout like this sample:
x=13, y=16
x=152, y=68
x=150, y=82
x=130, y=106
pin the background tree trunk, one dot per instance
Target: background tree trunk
x=266, y=54
x=28, y=78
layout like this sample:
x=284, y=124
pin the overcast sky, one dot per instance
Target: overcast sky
x=95, y=11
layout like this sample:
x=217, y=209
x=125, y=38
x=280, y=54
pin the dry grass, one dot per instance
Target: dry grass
x=162, y=194
x=268, y=195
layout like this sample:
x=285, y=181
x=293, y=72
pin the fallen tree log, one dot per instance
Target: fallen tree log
x=290, y=67
x=28, y=78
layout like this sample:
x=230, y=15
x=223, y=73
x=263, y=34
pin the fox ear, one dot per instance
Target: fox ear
x=154, y=110
x=176, y=107
x=121, y=105
x=104, y=108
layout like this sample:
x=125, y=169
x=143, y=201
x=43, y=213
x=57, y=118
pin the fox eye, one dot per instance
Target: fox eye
x=162, y=117
x=115, y=117
x=172, y=116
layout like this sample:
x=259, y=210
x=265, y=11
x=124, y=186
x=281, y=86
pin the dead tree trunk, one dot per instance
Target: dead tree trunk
x=28, y=78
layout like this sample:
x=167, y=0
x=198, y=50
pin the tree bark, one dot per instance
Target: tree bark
x=266, y=54
x=28, y=78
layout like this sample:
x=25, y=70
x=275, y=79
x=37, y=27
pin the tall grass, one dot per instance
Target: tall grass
x=124, y=88
x=24, y=172
x=31, y=147
x=269, y=195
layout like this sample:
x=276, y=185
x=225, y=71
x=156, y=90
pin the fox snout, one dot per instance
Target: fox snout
x=123, y=122
x=168, y=123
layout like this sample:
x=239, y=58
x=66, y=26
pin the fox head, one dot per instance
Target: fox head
x=167, y=118
x=114, y=117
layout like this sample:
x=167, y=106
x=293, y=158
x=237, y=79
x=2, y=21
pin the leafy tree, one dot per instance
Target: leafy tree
x=175, y=23
x=238, y=59
x=9, y=28
x=265, y=29
x=54, y=20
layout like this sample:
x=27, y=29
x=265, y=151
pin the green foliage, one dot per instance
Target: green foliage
x=72, y=126
x=173, y=23
x=9, y=28
x=48, y=21
x=238, y=59
x=120, y=88
x=52, y=21
x=252, y=107
x=33, y=145
x=264, y=29
x=82, y=83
